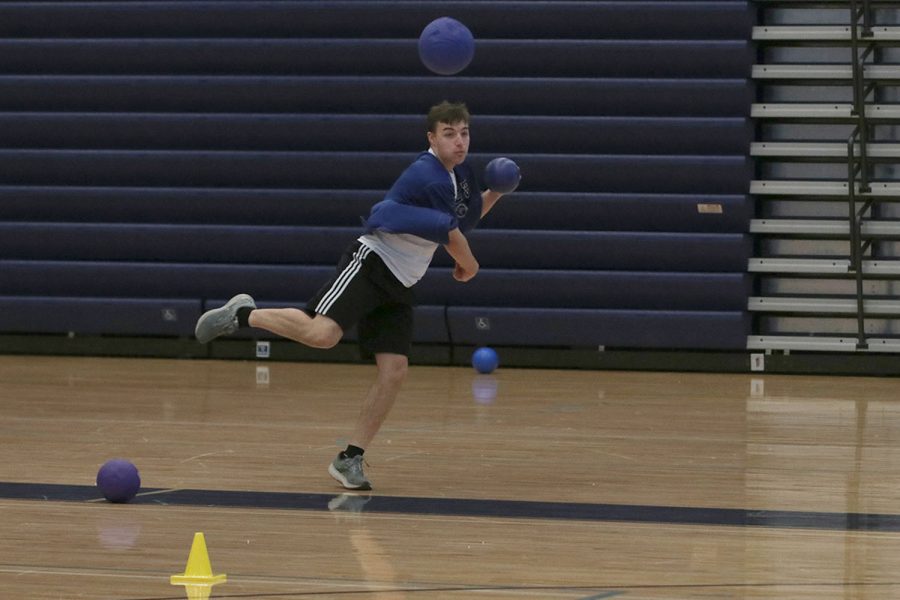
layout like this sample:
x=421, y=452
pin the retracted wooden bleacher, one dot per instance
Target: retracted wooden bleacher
x=159, y=157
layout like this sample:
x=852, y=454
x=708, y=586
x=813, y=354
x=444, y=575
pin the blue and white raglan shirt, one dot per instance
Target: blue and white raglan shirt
x=418, y=213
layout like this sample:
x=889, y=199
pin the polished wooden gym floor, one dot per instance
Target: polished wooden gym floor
x=576, y=485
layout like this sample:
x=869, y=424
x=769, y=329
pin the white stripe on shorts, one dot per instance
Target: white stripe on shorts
x=343, y=280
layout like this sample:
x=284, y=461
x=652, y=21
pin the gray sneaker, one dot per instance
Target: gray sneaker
x=221, y=321
x=349, y=472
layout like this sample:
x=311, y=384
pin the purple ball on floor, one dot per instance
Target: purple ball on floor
x=118, y=480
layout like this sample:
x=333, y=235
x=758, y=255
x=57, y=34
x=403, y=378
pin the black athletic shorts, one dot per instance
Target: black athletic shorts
x=364, y=292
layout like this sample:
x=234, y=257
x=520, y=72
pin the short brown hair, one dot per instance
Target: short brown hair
x=447, y=112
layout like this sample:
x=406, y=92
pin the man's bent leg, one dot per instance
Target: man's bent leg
x=317, y=332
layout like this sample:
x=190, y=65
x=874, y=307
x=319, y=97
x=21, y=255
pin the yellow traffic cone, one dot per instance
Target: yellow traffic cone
x=197, y=592
x=198, y=577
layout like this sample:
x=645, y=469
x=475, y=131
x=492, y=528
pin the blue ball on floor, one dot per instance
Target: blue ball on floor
x=502, y=175
x=485, y=360
x=446, y=46
x=118, y=480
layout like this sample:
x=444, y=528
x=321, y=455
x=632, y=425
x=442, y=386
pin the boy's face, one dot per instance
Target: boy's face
x=450, y=142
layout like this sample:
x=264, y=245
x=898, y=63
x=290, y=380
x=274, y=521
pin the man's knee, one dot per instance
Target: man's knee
x=392, y=368
x=325, y=333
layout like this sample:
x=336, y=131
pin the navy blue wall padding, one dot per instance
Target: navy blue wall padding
x=592, y=328
x=591, y=289
x=85, y=315
x=557, y=58
x=698, y=252
x=430, y=322
x=355, y=132
x=250, y=206
x=535, y=288
x=550, y=172
x=157, y=158
x=378, y=19
x=155, y=280
x=407, y=95
x=585, y=211
x=622, y=212
x=585, y=250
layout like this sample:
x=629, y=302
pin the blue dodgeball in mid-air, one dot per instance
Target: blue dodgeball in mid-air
x=446, y=46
